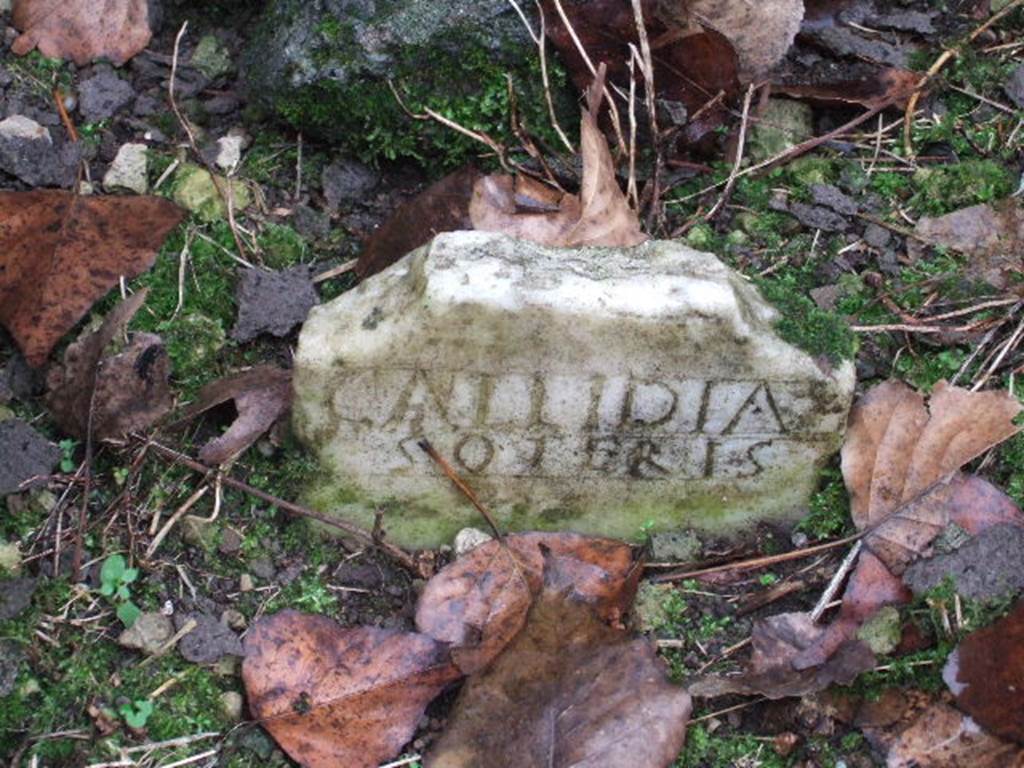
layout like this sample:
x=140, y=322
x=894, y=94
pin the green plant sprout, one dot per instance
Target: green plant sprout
x=136, y=713
x=67, y=455
x=115, y=578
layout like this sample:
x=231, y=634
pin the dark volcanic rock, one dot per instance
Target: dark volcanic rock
x=103, y=95
x=273, y=302
x=29, y=152
x=24, y=453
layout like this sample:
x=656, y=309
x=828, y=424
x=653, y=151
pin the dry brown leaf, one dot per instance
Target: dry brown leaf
x=441, y=207
x=895, y=448
x=777, y=641
x=82, y=30
x=600, y=216
x=60, y=253
x=942, y=737
x=889, y=85
x=761, y=32
x=262, y=395
x=332, y=696
x=122, y=393
x=986, y=674
x=993, y=235
x=480, y=602
x=568, y=691
x=968, y=501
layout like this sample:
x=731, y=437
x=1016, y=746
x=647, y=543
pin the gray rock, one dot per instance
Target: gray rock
x=592, y=390
x=11, y=657
x=27, y=151
x=1014, y=86
x=209, y=642
x=24, y=454
x=834, y=198
x=305, y=52
x=817, y=217
x=986, y=567
x=15, y=596
x=273, y=302
x=905, y=21
x=346, y=182
x=148, y=634
x=876, y=236
x=263, y=568
x=311, y=224
x=675, y=547
x=469, y=539
x=101, y=96
x=231, y=705
x=129, y=170
x=784, y=124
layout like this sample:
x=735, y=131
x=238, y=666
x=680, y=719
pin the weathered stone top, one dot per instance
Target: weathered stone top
x=587, y=389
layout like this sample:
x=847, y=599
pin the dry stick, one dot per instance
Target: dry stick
x=612, y=109
x=650, y=94
x=740, y=146
x=837, y=580
x=944, y=58
x=461, y=484
x=349, y=529
x=631, y=193
x=225, y=191
x=757, y=562
x=1010, y=344
x=83, y=511
x=800, y=149
x=341, y=269
x=69, y=126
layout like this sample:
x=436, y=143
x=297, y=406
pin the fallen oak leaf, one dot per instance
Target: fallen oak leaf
x=262, y=395
x=568, y=691
x=111, y=396
x=479, y=603
x=82, y=30
x=60, y=253
x=942, y=737
x=887, y=86
x=334, y=696
x=599, y=216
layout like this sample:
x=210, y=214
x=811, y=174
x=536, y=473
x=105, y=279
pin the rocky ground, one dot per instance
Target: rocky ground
x=832, y=238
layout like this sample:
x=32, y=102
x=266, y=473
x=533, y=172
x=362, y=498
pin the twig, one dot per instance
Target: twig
x=944, y=58
x=225, y=190
x=461, y=484
x=298, y=167
x=69, y=126
x=168, y=644
x=837, y=580
x=757, y=562
x=349, y=529
x=740, y=146
x=178, y=514
x=727, y=710
x=338, y=271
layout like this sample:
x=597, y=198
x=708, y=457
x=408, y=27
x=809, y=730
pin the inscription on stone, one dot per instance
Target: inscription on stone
x=603, y=391
x=548, y=425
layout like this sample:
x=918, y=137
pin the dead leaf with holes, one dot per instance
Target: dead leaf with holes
x=82, y=30
x=599, y=216
x=569, y=690
x=262, y=395
x=479, y=603
x=116, y=394
x=60, y=253
x=900, y=460
x=334, y=696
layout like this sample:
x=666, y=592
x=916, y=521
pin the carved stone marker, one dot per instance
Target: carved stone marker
x=598, y=390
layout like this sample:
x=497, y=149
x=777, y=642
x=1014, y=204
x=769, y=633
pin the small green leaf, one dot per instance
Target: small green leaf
x=112, y=570
x=136, y=715
x=130, y=575
x=128, y=612
x=107, y=589
x=123, y=593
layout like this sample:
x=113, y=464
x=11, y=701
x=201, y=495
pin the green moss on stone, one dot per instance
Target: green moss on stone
x=805, y=325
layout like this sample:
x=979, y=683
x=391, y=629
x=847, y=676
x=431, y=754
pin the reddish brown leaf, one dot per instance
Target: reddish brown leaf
x=941, y=737
x=568, y=691
x=121, y=393
x=480, y=602
x=777, y=642
x=262, y=395
x=60, y=253
x=599, y=216
x=441, y=207
x=986, y=674
x=332, y=696
x=82, y=30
